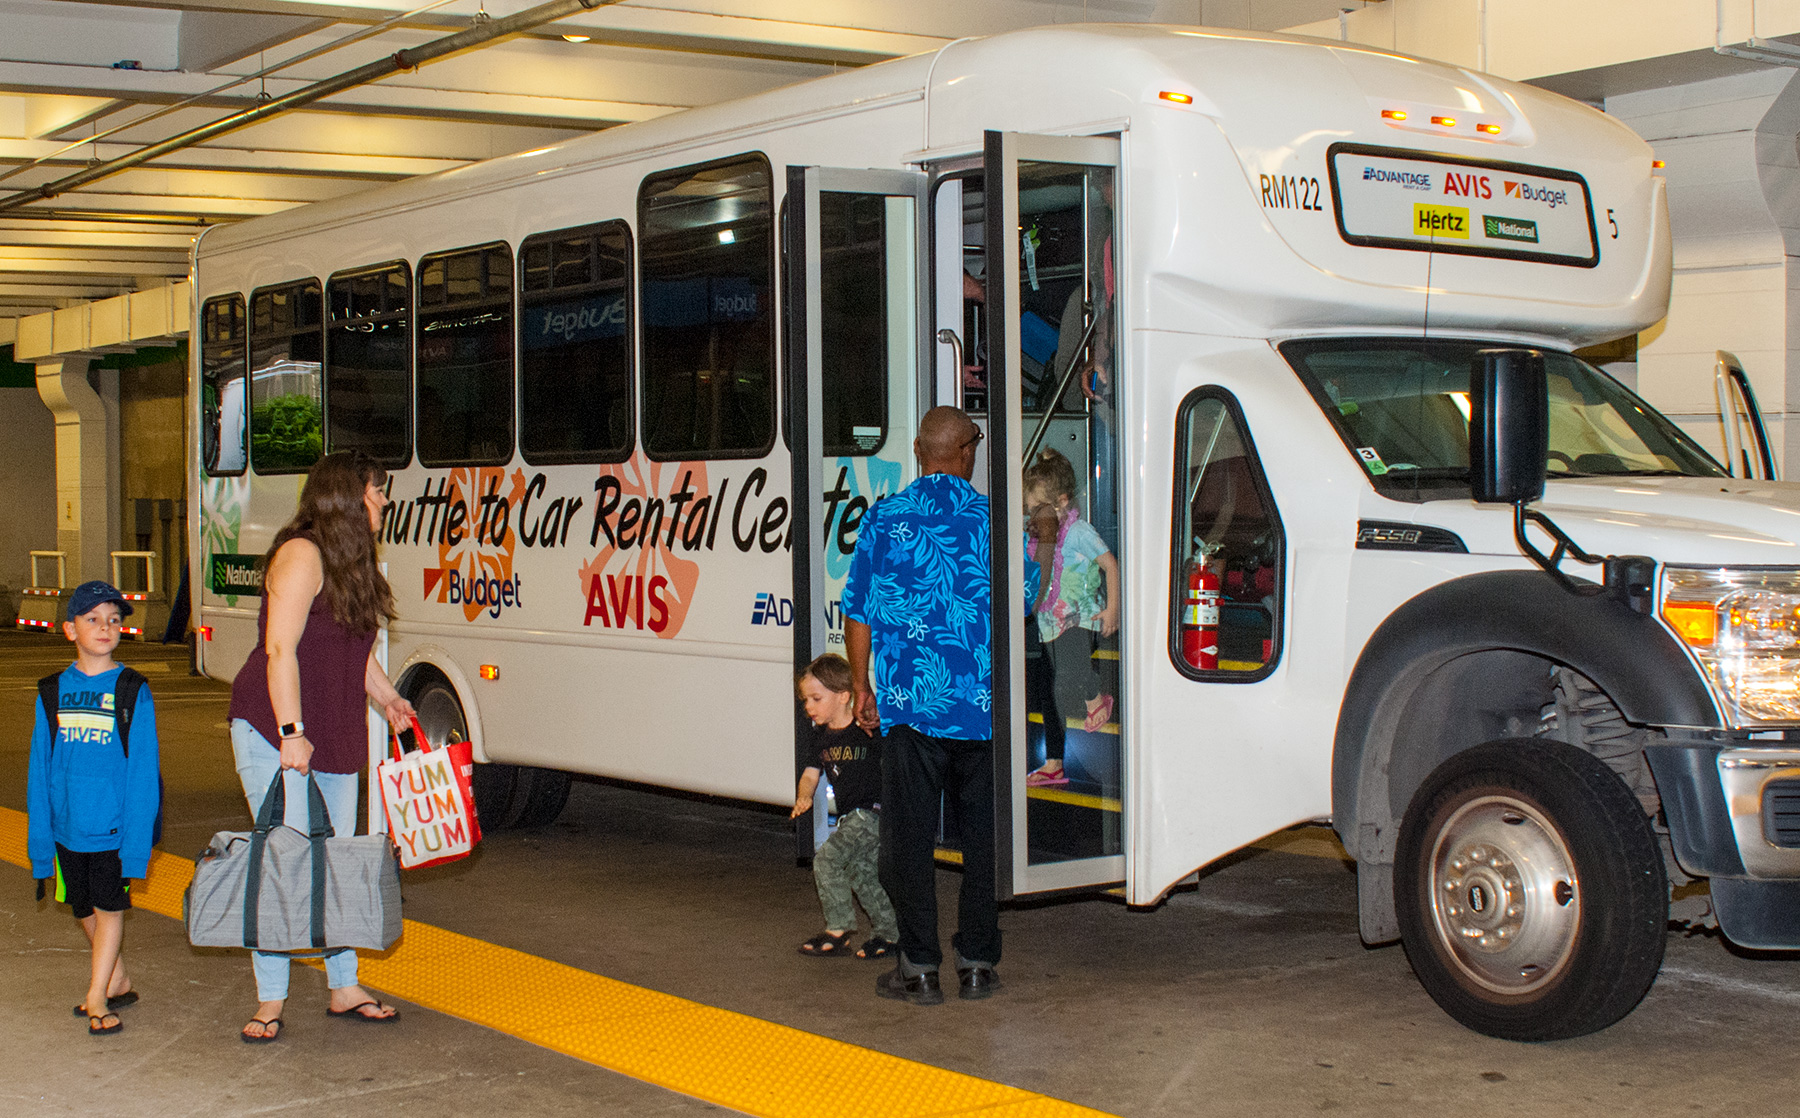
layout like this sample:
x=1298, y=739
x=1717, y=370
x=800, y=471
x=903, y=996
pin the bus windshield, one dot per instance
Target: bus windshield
x=1402, y=407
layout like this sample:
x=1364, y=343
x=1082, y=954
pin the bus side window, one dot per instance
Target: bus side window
x=287, y=343
x=706, y=265
x=575, y=345
x=465, y=358
x=222, y=374
x=368, y=362
x=1226, y=523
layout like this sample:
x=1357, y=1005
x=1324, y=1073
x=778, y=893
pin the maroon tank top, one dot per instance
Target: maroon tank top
x=333, y=702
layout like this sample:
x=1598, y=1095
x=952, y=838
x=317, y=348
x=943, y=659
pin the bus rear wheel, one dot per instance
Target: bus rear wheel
x=1530, y=890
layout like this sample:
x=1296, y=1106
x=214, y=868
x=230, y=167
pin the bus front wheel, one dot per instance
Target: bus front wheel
x=1530, y=890
x=506, y=796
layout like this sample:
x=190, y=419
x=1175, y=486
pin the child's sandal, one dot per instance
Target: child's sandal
x=826, y=943
x=876, y=948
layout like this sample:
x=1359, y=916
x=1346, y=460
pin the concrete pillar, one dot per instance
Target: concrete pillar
x=87, y=463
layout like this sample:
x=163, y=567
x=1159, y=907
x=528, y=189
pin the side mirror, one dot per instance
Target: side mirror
x=1509, y=426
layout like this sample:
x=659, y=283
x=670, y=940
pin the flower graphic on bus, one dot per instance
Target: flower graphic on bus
x=222, y=504
x=637, y=580
x=476, y=572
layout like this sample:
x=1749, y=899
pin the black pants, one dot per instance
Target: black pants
x=916, y=770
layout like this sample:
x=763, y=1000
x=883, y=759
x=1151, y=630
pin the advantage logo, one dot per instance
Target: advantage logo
x=770, y=610
x=228, y=574
x=1440, y=221
x=1510, y=228
x=1409, y=180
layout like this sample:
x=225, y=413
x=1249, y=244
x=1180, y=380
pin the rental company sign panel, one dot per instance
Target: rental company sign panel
x=1389, y=199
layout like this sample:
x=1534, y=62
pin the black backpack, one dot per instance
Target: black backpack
x=125, y=696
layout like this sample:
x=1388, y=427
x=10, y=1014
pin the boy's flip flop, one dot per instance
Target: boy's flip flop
x=117, y=1001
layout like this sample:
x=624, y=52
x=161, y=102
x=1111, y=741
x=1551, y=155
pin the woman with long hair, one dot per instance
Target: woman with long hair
x=299, y=703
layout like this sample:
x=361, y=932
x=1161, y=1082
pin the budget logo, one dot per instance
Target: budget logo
x=770, y=610
x=478, y=592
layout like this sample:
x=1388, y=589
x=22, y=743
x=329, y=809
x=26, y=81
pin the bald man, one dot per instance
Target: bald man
x=917, y=601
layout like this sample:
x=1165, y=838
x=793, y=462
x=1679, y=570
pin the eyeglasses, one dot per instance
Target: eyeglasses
x=974, y=440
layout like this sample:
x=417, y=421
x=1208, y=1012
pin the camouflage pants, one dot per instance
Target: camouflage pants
x=845, y=865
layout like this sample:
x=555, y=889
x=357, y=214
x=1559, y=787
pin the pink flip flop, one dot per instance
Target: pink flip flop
x=1100, y=715
x=1043, y=779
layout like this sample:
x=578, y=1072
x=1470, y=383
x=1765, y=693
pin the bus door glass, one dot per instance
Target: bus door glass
x=1050, y=378
x=855, y=344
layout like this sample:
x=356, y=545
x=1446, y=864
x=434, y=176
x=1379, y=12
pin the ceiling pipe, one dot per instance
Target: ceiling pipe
x=410, y=59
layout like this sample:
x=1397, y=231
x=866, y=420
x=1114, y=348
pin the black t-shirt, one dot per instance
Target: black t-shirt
x=851, y=761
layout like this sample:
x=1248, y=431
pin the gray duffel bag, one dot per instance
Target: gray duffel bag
x=276, y=889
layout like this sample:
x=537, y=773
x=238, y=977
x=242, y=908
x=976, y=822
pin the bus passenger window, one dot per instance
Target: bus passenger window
x=575, y=345
x=368, y=363
x=706, y=246
x=465, y=359
x=286, y=343
x=1228, y=548
x=222, y=369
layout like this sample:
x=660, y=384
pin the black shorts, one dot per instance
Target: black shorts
x=92, y=881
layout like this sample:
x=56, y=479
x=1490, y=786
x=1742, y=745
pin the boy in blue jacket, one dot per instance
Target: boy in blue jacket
x=93, y=793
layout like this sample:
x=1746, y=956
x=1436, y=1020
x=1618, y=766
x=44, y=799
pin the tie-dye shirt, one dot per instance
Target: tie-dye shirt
x=919, y=581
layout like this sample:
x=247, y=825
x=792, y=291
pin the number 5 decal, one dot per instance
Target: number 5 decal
x=1614, y=224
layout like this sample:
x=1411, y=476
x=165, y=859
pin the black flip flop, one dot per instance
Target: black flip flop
x=95, y=1028
x=355, y=1013
x=117, y=1001
x=267, y=1037
x=827, y=944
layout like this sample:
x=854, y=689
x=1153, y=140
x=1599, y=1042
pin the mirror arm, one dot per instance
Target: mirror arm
x=1628, y=578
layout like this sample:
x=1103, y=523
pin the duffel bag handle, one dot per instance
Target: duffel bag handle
x=274, y=809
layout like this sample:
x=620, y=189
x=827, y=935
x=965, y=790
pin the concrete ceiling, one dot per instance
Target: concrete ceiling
x=79, y=78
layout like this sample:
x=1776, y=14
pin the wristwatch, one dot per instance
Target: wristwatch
x=291, y=730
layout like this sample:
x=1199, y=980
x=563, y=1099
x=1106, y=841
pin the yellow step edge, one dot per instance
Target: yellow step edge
x=747, y=1064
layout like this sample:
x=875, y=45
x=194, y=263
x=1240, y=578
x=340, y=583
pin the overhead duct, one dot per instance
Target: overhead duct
x=481, y=33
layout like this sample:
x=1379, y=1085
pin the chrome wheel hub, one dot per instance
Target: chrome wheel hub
x=1505, y=898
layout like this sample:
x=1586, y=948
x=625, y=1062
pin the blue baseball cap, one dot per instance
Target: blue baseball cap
x=90, y=594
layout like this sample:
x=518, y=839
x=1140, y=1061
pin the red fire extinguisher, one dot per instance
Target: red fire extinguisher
x=1200, y=621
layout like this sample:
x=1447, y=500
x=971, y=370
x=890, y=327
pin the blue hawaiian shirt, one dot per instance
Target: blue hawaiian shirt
x=919, y=581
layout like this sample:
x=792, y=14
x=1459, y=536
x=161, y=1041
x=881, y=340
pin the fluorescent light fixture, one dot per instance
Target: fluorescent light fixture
x=727, y=237
x=578, y=38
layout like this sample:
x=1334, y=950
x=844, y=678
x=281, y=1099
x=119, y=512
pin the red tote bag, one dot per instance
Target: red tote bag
x=427, y=799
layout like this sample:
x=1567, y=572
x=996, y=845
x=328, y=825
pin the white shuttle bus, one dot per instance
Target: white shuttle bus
x=1303, y=316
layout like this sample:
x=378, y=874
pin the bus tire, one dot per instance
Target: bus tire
x=441, y=717
x=1530, y=891
x=541, y=795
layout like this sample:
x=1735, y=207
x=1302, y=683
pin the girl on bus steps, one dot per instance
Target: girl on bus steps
x=298, y=703
x=1077, y=599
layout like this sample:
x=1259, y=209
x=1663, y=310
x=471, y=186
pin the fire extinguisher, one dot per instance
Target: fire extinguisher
x=1200, y=621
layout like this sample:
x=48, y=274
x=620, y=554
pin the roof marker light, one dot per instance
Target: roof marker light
x=1393, y=114
x=1446, y=121
x=1490, y=129
x=1178, y=98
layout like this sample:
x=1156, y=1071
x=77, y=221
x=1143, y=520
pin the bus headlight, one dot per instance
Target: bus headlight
x=1744, y=628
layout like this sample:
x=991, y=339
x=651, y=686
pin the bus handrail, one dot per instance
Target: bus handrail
x=1037, y=437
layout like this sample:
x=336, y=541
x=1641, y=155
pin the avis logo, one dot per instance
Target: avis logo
x=485, y=591
x=770, y=610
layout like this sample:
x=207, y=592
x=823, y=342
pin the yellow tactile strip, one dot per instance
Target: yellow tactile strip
x=744, y=1063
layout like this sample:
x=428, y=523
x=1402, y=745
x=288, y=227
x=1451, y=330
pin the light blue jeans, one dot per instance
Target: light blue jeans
x=257, y=763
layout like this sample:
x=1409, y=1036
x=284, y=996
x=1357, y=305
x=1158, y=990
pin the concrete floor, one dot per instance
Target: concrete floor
x=1250, y=995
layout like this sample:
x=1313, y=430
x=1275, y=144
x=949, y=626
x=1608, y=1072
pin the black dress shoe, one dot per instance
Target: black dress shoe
x=920, y=989
x=976, y=982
